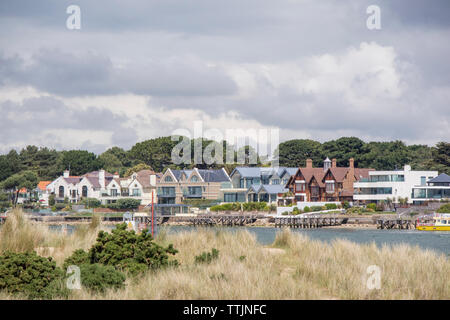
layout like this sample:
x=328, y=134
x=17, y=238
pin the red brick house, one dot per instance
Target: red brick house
x=330, y=183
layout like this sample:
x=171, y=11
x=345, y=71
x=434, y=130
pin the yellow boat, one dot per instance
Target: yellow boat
x=440, y=223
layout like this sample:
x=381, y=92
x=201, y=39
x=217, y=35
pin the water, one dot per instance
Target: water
x=438, y=241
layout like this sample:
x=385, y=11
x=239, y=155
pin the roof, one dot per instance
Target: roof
x=143, y=177
x=248, y=172
x=72, y=179
x=273, y=188
x=214, y=175
x=317, y=173
x=339, y=173
x=442, y=178
x=290, y=171
x=362, y=173
x=42, y=185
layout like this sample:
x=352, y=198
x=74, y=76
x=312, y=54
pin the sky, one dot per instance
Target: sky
x=137, y=70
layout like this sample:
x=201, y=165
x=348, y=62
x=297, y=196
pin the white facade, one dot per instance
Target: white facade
x=394, y=185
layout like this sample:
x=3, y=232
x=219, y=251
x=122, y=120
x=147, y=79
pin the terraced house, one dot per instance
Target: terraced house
x=104, y=186
x=327, y=184
x=178, y=185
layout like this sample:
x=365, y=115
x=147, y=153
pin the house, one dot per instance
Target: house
x=42, y=193
x=175, y=186
x=437, y=188
x=396, y=184
x=260, y=184
x=327, y=184
x=104, y=186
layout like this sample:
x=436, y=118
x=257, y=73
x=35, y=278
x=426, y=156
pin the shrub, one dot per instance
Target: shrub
x=316, y=208
x=34, y=276
x=77, y=258
x=207, y=257
x=98, y=277
x=306, y=209
x=445, y=208
x=60, y=206
x=127, y=203
x=91, y=203
x=372, y=206
x=331, y=206
x=128, y=251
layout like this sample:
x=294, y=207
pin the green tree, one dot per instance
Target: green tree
x=137, y=168
x=293, y=153
x=25, y=179
x=79, y=161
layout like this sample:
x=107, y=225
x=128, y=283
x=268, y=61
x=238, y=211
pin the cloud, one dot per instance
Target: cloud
x=47, y=121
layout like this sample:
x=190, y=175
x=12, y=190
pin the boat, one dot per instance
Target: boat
x=441, y=222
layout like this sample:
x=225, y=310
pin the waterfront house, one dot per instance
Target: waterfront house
x=329, y=183
x=175, y=186
x=394, y=185
x=436, y=189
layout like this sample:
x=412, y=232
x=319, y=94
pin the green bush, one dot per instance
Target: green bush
x=306, y=209
x=207, y=257
x=331, y=206
x=316, y=208
x=98, y=277
x=59, y=206
x=128, y=251
x=77, y=258
x=91, y=203
x=445, y=208
x=123, y=204
x=31, y=275
x=372, y=206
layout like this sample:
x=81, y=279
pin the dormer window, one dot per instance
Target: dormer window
x=168, y=179
x=194, y=179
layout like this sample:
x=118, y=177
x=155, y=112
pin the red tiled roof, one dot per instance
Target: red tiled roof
x=42, y=185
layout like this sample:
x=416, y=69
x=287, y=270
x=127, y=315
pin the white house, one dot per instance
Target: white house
x=104, y=186
x=394, y=185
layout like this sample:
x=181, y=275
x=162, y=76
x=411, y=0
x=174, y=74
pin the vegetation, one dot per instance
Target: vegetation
x=445, y=208
x=31, y=275
x=244, y=206
x=294, y=267
x=98, y=277
x=125, y=204
x=156, y=153
x=207, y=257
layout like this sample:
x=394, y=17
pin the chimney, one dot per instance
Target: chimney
x=326, y=164
x=351, y=162
x=66, y=173
x=153, y=180
x=116, y=175
x=309, y=163
x=333, y=163
x=101, y=178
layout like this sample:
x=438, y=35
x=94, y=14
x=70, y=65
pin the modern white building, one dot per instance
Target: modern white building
x=436, y=189
x=384, y=185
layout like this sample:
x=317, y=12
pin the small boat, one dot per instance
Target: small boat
x=441, y=222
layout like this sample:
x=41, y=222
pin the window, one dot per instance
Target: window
x=329, y=187
x=84, y=191
x=168, y=179
x=276, y=181
x=300, y=187
x=61, y=192
x=423, y=181
x=136, y=192
x=194, y=179
x=113, y=192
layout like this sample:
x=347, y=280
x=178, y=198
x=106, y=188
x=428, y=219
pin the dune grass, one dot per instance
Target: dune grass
x=293, y=267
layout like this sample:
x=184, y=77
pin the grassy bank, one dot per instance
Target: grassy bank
x=293, y=267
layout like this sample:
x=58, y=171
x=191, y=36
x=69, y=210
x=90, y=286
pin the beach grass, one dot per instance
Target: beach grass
x=293, y=267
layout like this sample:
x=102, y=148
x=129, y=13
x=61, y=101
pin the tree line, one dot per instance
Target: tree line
x=48, y=164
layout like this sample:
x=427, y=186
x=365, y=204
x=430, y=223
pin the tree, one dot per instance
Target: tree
x=293, y=153
x=25, y=179
x=115, y=159
x=342, y=150
x=441, y=157
x=137, y=168
x=79, y=161
x=157, y=153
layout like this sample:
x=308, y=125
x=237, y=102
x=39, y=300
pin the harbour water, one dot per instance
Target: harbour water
x=438, y=241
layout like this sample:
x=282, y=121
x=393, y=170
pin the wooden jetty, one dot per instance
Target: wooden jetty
x=222, y=220
x=396, y=223
x=308, y=222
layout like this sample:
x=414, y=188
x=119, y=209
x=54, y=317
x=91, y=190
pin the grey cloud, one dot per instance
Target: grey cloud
x=93, y=74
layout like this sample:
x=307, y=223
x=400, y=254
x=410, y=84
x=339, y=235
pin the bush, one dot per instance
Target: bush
x=445, y=208
x=372, y=206
x=97, y=277
x=128, y=251
x=316, y=208
x=306, y=209
x=34, y=276
x=123, y=204
x=331, y=206
x=207, y=257
x=59, y=206
x=77, y=258
x=91, y=203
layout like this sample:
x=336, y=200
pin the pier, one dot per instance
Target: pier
x=396, y=223
x=308, y=222
x=220, y=220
